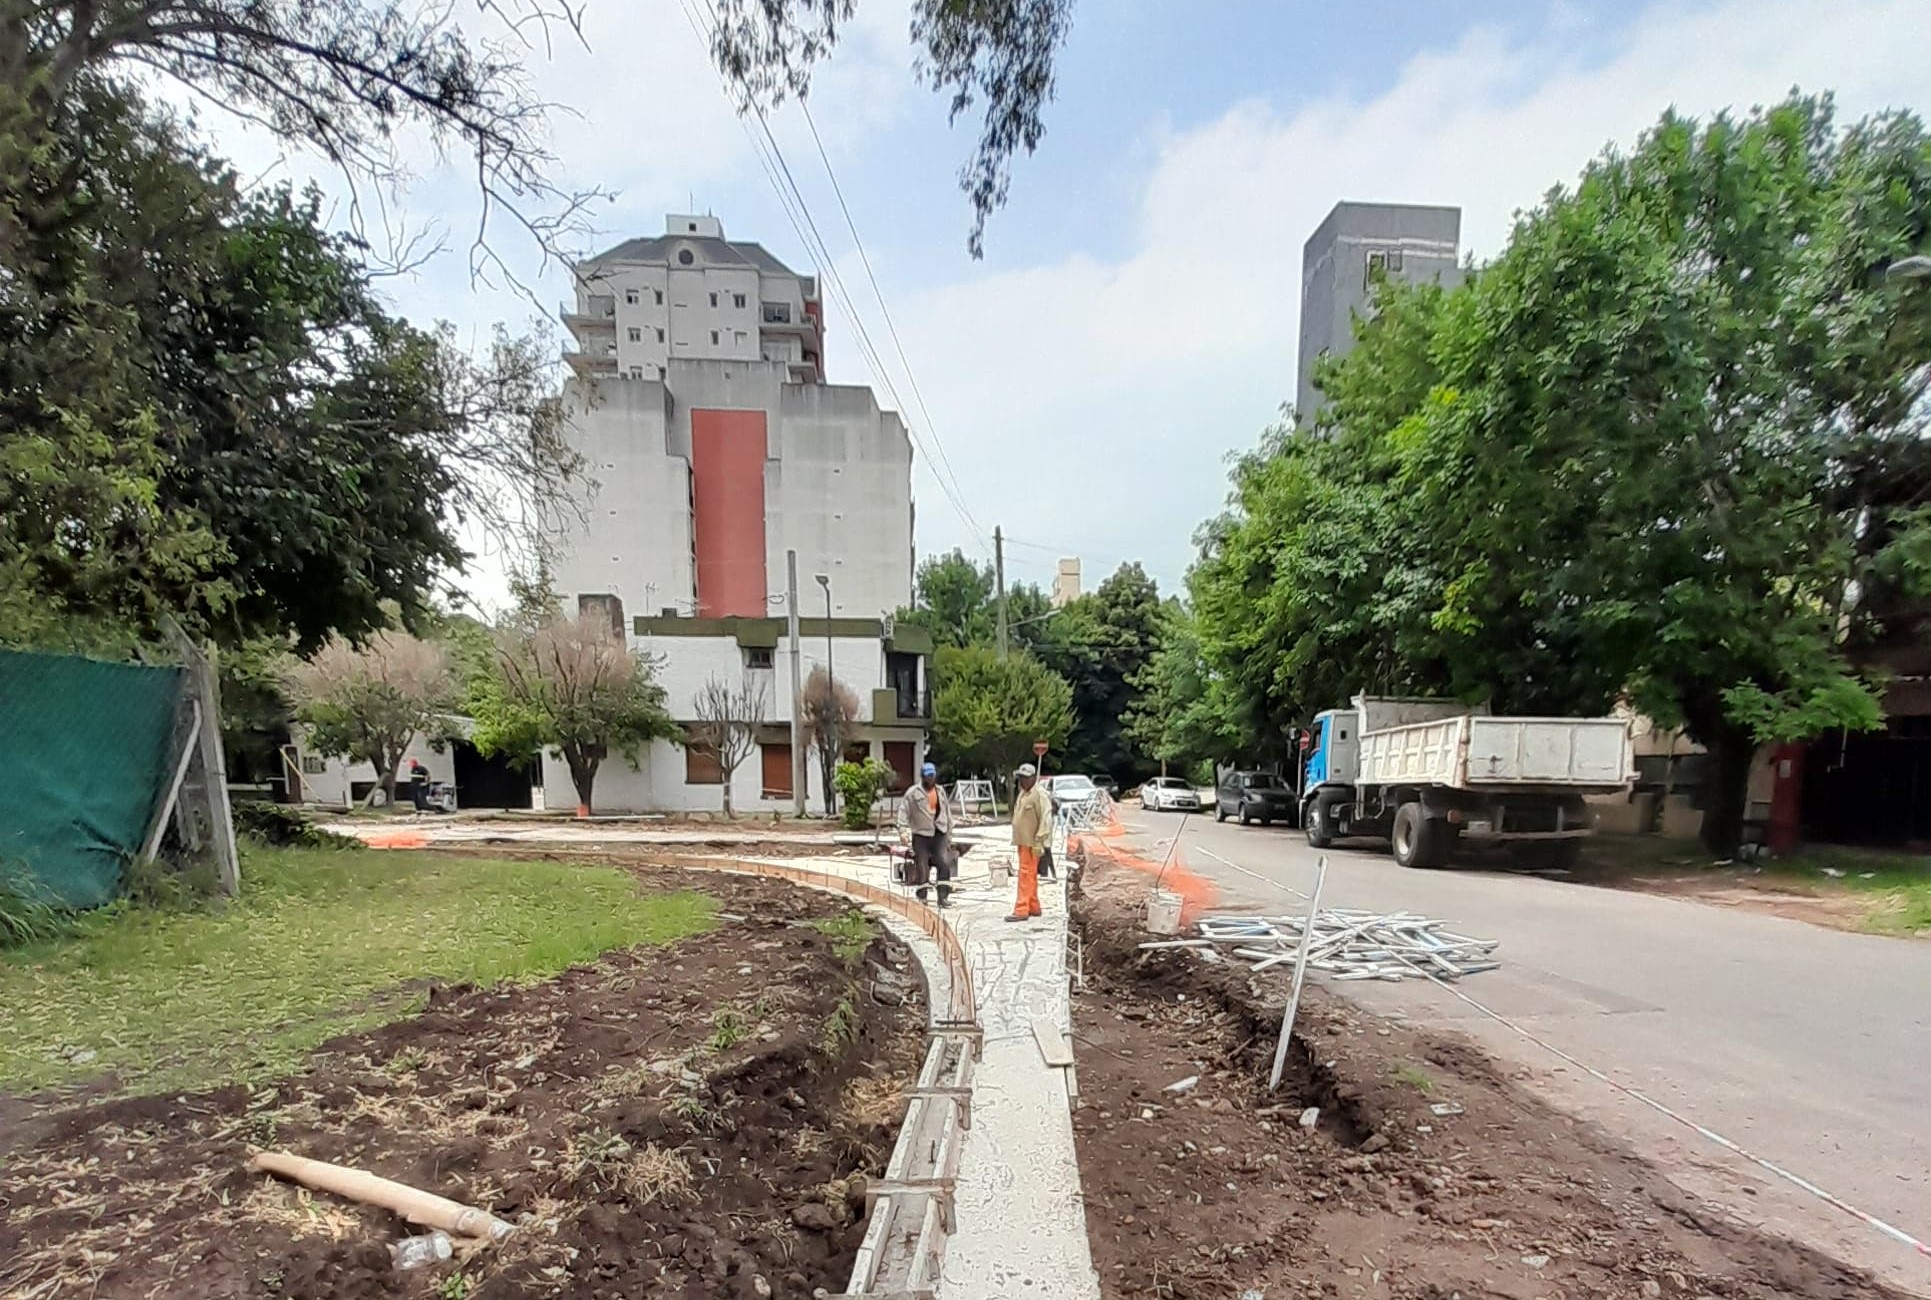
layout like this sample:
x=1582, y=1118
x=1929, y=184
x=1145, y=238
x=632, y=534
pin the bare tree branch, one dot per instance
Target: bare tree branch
x=728, y=718
x=999, y=53
x=342, y=77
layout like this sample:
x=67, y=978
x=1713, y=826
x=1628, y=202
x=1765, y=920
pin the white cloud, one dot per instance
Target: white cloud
x=1091, y=404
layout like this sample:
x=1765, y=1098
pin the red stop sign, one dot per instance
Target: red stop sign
x=1039, y=749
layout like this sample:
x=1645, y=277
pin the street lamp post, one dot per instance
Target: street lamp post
x=831, y=700
x=825, y=582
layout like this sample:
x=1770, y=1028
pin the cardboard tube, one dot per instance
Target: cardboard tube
x=419, y=1207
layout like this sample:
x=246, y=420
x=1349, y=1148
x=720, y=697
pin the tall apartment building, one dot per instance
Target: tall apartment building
x=714, y=447
x=1339, y=263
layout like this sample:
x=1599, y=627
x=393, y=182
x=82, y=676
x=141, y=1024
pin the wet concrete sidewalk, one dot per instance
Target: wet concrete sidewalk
x=1021, y=1218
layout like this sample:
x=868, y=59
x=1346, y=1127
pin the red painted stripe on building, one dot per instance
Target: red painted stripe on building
x=727, y=487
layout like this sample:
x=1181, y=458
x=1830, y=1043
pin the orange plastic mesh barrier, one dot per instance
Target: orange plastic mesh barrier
x=1197, y=894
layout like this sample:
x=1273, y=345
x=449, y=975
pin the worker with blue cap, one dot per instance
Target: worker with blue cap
x=929, y=818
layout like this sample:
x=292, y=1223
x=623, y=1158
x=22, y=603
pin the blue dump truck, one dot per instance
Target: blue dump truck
x=1427, y=774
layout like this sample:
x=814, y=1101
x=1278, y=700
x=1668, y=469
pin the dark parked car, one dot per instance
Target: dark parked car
x=1254, y=797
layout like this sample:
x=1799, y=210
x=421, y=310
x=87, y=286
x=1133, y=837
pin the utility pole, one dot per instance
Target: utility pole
x=797, y=688
x=999, y=581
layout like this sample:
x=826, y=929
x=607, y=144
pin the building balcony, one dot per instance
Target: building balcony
x=779, y=318
x=589, y=364
x=599, y=314
x=890, y=705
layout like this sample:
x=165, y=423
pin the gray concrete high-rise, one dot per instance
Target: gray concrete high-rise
x=1338, y=264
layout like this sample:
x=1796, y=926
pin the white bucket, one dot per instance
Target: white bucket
x=1000, y=874
x=1163, y=913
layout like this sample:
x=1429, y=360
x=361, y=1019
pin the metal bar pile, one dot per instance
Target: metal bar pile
x=1345, y=944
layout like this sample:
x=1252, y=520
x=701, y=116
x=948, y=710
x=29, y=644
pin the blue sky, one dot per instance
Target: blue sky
x=1133, y=321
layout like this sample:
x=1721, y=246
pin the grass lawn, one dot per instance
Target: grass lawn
x=1897, y=885
x=1892, y=891
x=320, y=942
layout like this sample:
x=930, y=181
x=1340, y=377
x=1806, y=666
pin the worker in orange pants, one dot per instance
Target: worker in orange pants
x=1032, y=828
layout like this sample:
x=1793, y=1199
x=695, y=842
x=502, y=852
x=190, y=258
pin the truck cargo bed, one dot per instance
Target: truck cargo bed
x=1484, y=753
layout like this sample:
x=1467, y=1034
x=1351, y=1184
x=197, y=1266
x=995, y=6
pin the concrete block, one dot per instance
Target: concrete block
x=1681, y=821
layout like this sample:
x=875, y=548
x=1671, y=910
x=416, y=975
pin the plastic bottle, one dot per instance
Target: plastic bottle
x=420, y=1252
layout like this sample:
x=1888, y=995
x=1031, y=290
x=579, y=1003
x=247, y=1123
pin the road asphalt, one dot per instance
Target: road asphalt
x=1809, y=1048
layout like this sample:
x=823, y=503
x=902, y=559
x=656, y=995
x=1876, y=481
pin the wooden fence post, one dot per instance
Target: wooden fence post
x=203, y=814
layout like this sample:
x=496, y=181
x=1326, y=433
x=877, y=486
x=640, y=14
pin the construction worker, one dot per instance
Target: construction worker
x=1032, y=829
x=929, y=818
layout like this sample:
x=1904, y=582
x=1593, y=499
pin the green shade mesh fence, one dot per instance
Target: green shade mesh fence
x=86, y=750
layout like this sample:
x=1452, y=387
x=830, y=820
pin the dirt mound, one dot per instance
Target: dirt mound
x=1426, y=1174
x=695, y=1120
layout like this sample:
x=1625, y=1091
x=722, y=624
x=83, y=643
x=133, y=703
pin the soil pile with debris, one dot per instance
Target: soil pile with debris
x=693, y=1120
x=1391, y=1163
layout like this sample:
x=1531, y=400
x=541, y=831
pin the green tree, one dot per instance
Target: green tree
x=988, y=711
x=1102, y=644
x=1182, y=717
x=571, y=687
x=1659, y=448
x=207, y=413
x=953, y=600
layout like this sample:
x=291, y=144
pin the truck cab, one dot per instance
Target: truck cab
x=1335, y=752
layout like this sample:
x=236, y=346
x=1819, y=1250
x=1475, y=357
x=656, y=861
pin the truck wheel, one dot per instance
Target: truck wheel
x=1416, y=838
x=1320, y=822
x=1243, y=818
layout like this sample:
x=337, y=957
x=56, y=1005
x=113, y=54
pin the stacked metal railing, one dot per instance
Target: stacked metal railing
x=1345, y=944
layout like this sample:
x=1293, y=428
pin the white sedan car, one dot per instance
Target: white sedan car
x=1169, y=794
x=1072, y=789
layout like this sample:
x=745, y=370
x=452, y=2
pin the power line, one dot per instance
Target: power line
x=931, y=426
x=790, y=194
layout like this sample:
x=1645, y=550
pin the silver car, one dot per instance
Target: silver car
x=1169, y=794
x=1072, y=789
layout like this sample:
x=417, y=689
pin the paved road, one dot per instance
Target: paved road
x=1809, y=1047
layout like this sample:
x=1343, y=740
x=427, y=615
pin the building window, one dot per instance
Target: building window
x=713, y=300
x=636, y=372
x=313, y=764
x=713, y=338
x=660, y=333
x=777, y=313
x=737, y=336
x=759, y=656
x=1387, y=262
x=701, y=766
x=684, y=257
x=659, y=294
x=630, y=297
x=636, y=334
x=737, y=300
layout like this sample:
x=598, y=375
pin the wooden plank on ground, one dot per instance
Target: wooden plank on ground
x=1052, y=1044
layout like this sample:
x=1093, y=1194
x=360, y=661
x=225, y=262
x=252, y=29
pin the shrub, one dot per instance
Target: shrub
x=858, y=786
x=281, y=826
